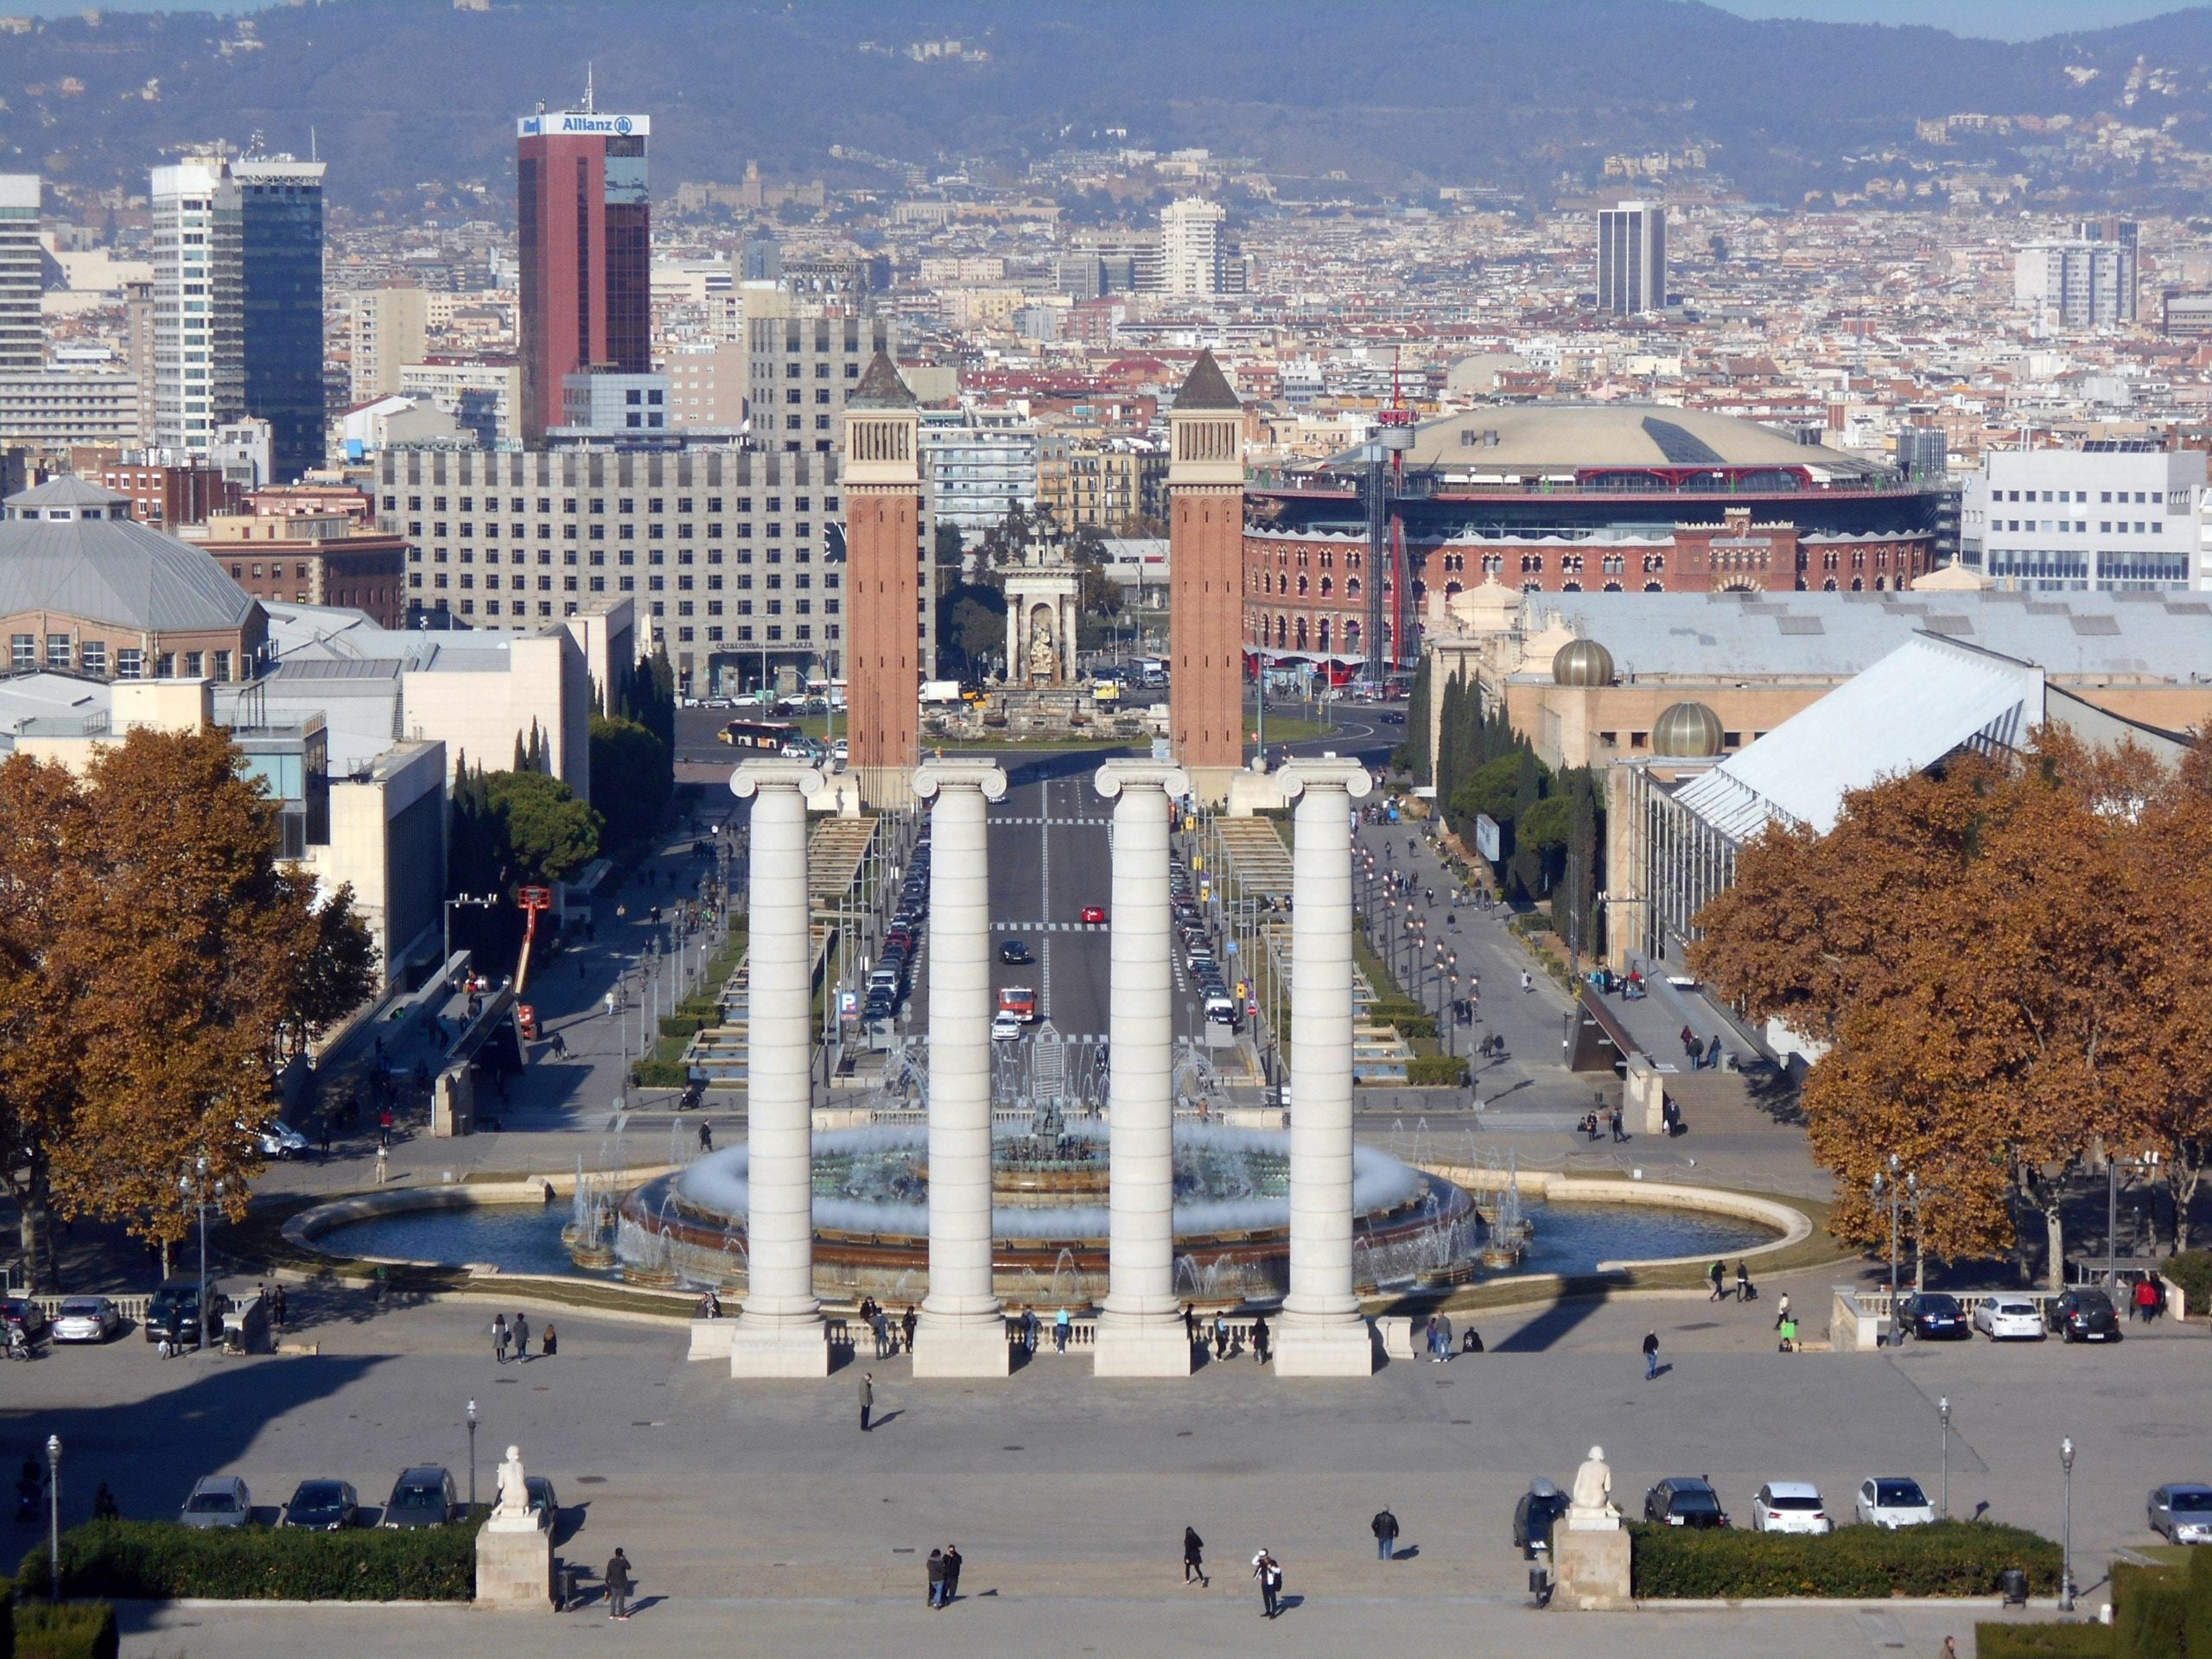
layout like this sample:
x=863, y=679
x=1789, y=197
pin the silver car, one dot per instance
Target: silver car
x=2183, y=1512
x=218, y=1501
x=86, y=1318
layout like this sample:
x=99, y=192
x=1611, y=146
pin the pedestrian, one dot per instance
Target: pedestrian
x=1526, y=983
x=1716, y=1272
x=619, y=1584
x=1029, y=1327
x=384, y=1165
x=1259, y=1339
x=706, y=1134
x=867, y=1398
x=1190, y=1323
x=550, y=1343
x=906, y=1325
x=1194, y=1565
x=2146, y=1300
x=1619, y=1134
x=1950, y=1648
x=1221, y=1336
x=103, y=1504
x=1062, y=1326
x=500, y=1338
x=278, y=1310
x=1651, y=1355
x=1782, y=1310
x=1743, y=1282
x=951, y=1573
x=521, y=1328
x=1384, y=1526
x=936, y=1577
x=1269, y=1572
x=1789, y=1344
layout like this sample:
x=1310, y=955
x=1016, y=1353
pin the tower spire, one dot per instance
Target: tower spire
x=591, y=103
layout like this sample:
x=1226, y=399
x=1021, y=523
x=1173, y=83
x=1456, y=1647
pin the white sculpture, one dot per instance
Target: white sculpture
x=514, y=1493
x=1590, y=1509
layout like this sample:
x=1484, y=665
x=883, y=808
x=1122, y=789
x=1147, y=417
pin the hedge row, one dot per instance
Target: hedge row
x=1430, y=1069
x=160, y=1560
x=660, y=1074
x=69, y=1630
x=2042, y=1640
x=680, y=1025
x=1952, y=1558
x=2192, y=1271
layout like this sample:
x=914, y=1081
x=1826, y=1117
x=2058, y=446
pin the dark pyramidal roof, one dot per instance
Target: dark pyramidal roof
x=1207, y=387
x=881, y=388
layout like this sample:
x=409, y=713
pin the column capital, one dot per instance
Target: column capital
x=751, y=777
x=934, y=777
x=1116, y=777
x=1306, y=774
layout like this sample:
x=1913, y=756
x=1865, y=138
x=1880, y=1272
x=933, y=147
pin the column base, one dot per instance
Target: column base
x=1338, y=1348
x=1590, y=1570
x=1141, y=1350
x=888, y=787
x=964, y=1350
x=794, y=1350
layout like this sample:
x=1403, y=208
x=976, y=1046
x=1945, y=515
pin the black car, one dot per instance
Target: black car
x=321, y=1506
x=1684, y=1501
x=1532, y=1516
x=1014, y=952
x=174, y=1313
x=2085, y=1315
x=21, y=1313
x=1933, y=1316
x=422, y=1497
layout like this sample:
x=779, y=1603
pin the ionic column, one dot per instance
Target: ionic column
x=1140, y=1331
x=1323, y=1332
x=780, y=1332
x=963, y=1329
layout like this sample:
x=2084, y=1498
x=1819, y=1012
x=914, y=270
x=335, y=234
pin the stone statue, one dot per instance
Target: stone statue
x=1044, y=655
x=1591, y=1506
x=514, y=1489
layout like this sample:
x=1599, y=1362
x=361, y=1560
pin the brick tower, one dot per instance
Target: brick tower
x=1205, y=486
x=883, y=634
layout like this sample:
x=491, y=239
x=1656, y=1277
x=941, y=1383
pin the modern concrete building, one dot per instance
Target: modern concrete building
x=281, y=243
x=978, y=465
x=52, y=410
x=2111, y=515
x=886, y=561
x=391, y=329
x=1205, y=486
x=1632, y=258
x=483, y=394
x=1193, y=252
x=22, y=328
x=2076, y=284
x=800, y=371
x=312, y=558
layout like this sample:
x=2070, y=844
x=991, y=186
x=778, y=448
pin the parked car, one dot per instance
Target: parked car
x=173, y=1313
x=21, y=1313
x=1093, y=915
x=1015, y=953
x=1532, y=1516
x=1789, y=1506
x=278, y=1139
x=1684, y=1501
x=2009, y=1319
x=86, y=1319
x=1006, y=1026
x=1933, y=1316
x=2183, y=1511
x=1892, y=1500
x=321, y=1506
x=2085, y=1314
x=218, y=1501
x=422, y=1497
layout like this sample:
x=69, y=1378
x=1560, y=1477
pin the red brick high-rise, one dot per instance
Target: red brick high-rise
x=883, y=630
x=1205, y=489
x=582, y=219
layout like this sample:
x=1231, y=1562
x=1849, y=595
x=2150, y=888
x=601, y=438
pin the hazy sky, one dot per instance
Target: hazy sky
x=2010, y=20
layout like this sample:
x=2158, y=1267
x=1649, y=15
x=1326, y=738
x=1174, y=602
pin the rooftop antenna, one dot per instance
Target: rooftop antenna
x=312, y=156
x=591, y=103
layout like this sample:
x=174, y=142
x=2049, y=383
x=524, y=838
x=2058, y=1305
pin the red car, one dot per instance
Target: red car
x=1094, y=913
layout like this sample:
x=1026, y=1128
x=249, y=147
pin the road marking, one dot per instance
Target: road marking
x=1045, y=980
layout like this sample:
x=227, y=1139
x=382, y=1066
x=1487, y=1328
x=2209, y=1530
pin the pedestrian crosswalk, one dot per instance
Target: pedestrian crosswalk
x=1056, y=822
x=1049, y=927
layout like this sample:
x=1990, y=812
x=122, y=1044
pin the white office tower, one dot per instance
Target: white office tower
x=2077, y=284
x=1190, y=247
x=22, y=336
x=199, y=304
x=1632, y=258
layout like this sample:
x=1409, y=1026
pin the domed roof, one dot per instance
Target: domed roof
x=1686, y=731
x=1582, y=661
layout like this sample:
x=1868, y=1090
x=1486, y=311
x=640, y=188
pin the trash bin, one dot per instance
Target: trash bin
x=568, y=1582
x=2014, y=1583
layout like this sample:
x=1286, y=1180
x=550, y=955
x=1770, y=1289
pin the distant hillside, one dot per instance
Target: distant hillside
x=1527, y=94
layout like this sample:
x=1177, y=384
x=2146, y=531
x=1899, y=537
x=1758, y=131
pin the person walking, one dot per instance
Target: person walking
x=1651, y=1355
x=951, y=1574
x=549, y=1344
x=1063, y=1327
x=1743, y=1282
x=521, y=1328
x=1259, y=1339
x=1782, y=1310
x=1221, y=1336
x=906, y=1325
x=1194, y=1565
x=1384, y=1526
x=1269, y=1572
x=706, y=1134
x=881, y=1324
x=500, y=1338
x=867, y=1398
x=1717, y=1275
x=619, y=1583
x=936, y=1569
x=1526, y=983
x=1788, y=1344
x=1619, y=1134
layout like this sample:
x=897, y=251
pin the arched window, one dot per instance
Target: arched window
x=1328, y=585
x=1612, y=587
x=1570, y=588
x=1351, y=586
x=1858, y=584
x=1301, y=633
x=1301, y=585
x=1655, y=587
x=1828, y=586
x=1323, y=636
x=1880, y=583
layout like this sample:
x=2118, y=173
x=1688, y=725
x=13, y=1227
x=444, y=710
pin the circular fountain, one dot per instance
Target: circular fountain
x=1050, y=1208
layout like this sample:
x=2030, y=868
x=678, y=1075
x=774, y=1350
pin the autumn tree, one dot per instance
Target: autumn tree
x=1987, y=953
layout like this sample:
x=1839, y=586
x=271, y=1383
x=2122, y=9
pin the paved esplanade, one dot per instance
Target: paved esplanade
x=782, y=1332
x=1139, y=1329
x=1322, y=1333
x=962, y=1327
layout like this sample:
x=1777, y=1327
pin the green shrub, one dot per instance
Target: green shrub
x=680, y=1025
x=69, y=1630
x=2090, y=1640
x=660, y=1074
x=1433, y=1069
x=1952, y=1558
x=2197, y=1630
x=2192, y=1271
x=160, y=1560
x=2150, y=1605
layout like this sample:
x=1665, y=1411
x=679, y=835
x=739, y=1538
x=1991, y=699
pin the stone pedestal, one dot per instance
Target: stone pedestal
x=514, y=1567
x=1644, y=1096
x=1590, y=1570
x=770, y=1350
x=966, y=1349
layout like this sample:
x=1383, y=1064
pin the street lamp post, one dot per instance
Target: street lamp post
x=54, y=1516
x=472, y=1454
x=194, y=1189
x=1943, y=1411
x=2112, y=1166
x=2066, y=1569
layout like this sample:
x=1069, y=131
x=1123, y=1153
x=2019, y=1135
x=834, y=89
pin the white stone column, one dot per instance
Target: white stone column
x=1322, y=1333
x=1140, y=1330
x=780, y=1332
x=963, y=1329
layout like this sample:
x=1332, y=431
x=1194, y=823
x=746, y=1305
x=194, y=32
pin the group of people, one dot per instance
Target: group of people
x=1223, y=1335
x=945, y=1575
x=1717, y=1276
x=1592, y=1125
x=1436, y=1336
x=888, y=1332
x=1702, y=1055
x=517, y=1337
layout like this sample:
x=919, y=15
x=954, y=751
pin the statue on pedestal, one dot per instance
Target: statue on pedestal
x=1589, y=1507
x=1044, y=655
x=513, y=1512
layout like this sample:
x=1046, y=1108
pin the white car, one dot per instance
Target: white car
x=86, y=1318
x=2005, y=1319
x=278, y=1139
x=1789, y=1506
x=1893, y=1501
x=1006, y=1026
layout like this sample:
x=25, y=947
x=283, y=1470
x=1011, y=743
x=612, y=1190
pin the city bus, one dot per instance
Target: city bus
x=769, y=735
